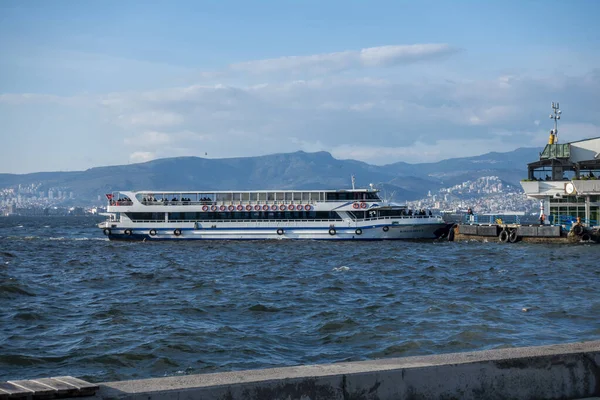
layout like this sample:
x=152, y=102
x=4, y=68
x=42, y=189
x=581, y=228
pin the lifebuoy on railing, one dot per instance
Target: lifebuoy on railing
x=265, y=208
x=240, y=207
x=282, y=207
x=213, y=208
x=308, y=207
x=355, y=205
x=291, y=207
x=363, y=205
x=204, y=208
x=231, y=208
x=299, y=207
x=222, y=208
x=257, y=208
x=274, y=207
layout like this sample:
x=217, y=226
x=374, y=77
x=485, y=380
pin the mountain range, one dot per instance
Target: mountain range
x=299, y=170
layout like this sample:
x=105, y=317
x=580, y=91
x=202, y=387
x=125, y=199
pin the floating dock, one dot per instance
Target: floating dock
x=512, y=233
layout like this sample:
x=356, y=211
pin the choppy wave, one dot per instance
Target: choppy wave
x=107, y=310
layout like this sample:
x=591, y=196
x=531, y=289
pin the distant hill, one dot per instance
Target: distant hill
x=297, y=170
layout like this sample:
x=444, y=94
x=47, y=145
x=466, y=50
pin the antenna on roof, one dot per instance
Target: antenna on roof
x=353, y=181
x=555, y=116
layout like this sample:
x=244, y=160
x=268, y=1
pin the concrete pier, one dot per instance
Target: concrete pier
x=566, y=371
x=512, y=233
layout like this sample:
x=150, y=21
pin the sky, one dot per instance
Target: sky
x=86, y=83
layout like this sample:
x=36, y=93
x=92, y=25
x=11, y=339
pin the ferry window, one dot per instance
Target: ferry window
x=270, y=196
x=279, y=196
x=245, y=196
x=372, y=196
x=146, y=216
x=335, y=196
x=224, y=197
x=357, y=214
x=288, y=196
x=253, y=196
x=297, y=196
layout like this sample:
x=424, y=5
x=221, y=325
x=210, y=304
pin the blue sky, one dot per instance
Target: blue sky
x=86, y=84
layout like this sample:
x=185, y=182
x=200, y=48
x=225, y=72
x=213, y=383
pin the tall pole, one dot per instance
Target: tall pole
x=555, y=116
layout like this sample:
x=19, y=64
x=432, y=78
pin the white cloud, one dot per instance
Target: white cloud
x=148, y=139
x=153, y=118
x=392, y=55
x=398, y=117
x=383, y=56
x=569, y=132
x=373, y=120
x=141, y=156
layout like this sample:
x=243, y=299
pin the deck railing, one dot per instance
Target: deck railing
x=332, y=221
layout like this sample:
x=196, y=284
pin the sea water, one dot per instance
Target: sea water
x=74, y=303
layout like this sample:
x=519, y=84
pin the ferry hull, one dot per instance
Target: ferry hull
x=372, y=232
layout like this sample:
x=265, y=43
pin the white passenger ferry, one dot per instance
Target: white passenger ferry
x=357, y=214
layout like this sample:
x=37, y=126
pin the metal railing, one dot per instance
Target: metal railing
x=258, y=220
x=491, y=219
x=234, y=203
x=568, y=220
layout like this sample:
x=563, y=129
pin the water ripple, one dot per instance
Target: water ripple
x=74, y=303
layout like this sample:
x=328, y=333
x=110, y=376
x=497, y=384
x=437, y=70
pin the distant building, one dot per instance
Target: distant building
x=566, y=180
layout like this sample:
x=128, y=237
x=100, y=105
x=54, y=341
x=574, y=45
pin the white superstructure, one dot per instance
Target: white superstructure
x=357, y=214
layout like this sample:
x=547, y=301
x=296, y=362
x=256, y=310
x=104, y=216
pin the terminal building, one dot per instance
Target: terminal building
x=566, y=180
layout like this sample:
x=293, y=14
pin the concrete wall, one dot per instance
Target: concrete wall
x=547, y=372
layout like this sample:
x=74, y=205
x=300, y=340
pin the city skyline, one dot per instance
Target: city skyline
x=85, y=84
